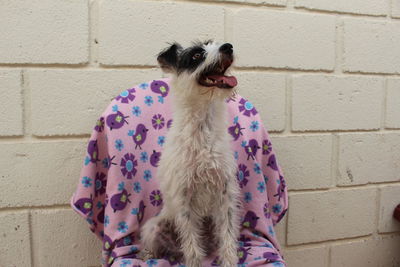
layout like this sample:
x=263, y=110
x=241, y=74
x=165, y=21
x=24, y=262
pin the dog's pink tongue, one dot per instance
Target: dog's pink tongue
x=229, y=80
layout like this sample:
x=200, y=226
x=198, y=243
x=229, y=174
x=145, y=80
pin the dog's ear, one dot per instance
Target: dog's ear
x=168, y=58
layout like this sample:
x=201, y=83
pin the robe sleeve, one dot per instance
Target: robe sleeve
x=276, y=185
x=89, y=199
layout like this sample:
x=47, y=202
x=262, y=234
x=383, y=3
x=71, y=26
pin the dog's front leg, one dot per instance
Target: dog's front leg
x=189, y=228
x=226, y=218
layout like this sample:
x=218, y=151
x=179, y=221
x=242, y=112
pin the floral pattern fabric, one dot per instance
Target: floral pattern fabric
x=118, y=190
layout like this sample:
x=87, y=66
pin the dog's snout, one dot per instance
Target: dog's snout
x=226, y=48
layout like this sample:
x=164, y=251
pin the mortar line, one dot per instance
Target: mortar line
x=95, y=14
x=27, y=105
x=342, y=188
x=30, y=227
x=384, y=104
x=288, y=103
x=230, y=3
x=335, y=160
x=35, y=208
x=339, y=48
x=101, y=67
x=377, y=211
x=290, y=6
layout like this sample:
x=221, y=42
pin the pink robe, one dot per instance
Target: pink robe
x=118, y=189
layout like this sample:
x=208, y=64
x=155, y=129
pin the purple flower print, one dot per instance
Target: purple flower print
x=158, y=121
x=99, y=125
x=266, y=147
x=128, y=164
x=272, y=162
x=267, y=214
x=247, y=108
x=241, y=175
x=156, y=198
x=159, y=87
x=126, y=96
x=100, y=183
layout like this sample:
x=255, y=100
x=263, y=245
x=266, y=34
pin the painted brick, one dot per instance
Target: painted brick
x=330, y=215
x=43, y=173
x=396, y=8
x=14, y=235
x=68, y=102
x=305, y=160
x=369, y=7
x=10, y=103
x=307, y=257
x=285, y=40
x=322, y=102
x=268, y=94
x=376, y=252
x=44, y=31
x=368, y=158
x=58, y=234
x=389, y=199
x=125, y=36
x=280, y=231
x=393, y=104
x=371, y=46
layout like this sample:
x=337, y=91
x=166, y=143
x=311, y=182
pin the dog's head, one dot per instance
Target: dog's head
x=202, y=67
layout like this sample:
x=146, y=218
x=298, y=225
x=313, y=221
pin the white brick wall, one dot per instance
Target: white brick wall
x=315, y=217
x=371, y=46
x=262, y=37
x=44, y=31
x=325, y=76
x=395, y=8
x=393, y=103
x=377, y=252
x=369, y=7
x=336, y=103
x=11, y=103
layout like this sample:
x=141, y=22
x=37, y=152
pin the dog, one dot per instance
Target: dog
x=197, y=169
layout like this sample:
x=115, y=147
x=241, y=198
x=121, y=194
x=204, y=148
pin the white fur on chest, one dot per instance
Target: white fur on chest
x=197, y=160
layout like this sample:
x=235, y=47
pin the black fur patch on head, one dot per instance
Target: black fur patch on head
x=191, y=58
x=176, y=59
x=168, y=58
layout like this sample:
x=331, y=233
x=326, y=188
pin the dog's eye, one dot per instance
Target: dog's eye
x=196, y=56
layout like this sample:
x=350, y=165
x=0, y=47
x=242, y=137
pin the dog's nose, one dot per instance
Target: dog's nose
x=226, y=49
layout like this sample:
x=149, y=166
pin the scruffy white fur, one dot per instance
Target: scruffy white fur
x=197, y=170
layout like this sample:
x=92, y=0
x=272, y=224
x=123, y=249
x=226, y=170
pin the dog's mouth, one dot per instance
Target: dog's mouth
x=216, y=76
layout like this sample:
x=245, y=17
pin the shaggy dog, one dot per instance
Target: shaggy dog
x=197, y=167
